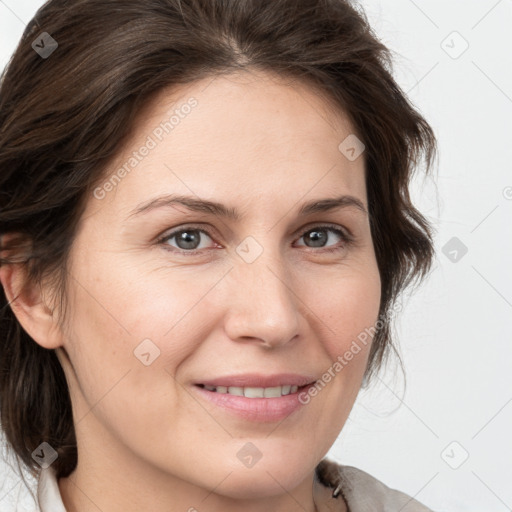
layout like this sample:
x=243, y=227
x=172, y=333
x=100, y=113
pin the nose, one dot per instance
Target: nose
x=262, y=305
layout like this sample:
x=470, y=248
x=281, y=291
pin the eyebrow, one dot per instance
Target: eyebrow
x=220, y=210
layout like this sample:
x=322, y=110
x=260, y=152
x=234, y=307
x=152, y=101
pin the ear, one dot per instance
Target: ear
x=27, y=301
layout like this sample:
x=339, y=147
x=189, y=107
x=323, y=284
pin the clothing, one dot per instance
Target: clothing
x=361, y=491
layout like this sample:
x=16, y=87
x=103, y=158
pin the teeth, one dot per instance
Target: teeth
x=286, y=390
x=256, y=392
x=249, y=392
x=272, y=392
x=233, y=390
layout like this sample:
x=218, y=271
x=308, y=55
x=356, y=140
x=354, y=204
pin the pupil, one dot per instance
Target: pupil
x=318, y=236
x=188, y=240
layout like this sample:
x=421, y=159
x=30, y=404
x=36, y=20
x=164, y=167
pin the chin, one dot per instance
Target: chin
x=264, y=479
x=255, y=485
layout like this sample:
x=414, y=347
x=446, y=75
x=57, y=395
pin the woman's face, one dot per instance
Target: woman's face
x=175, y=296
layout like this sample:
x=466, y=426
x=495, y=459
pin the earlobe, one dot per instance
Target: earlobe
x=28, y=305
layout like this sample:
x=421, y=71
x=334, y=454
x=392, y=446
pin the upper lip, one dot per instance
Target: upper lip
x=260, y=381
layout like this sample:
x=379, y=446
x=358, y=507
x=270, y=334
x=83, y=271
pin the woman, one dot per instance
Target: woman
x=205, y=224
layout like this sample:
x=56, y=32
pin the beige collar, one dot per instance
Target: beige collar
x=327, y=488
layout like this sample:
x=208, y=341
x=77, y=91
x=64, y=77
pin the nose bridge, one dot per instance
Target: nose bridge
x=263, y=304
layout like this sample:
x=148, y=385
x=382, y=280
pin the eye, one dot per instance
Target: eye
x=318, y=237
x=189, y=240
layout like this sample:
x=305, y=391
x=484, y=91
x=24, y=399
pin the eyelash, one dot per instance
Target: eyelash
x=347, y=239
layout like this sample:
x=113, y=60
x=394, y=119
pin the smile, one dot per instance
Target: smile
x=251, y=392
x=254, y=404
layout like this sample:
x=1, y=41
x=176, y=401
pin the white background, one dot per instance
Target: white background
x=455, y=330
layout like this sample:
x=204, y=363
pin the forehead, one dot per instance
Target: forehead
x=240, y=136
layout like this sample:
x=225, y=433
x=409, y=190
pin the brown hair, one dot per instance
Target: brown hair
x=62, y=119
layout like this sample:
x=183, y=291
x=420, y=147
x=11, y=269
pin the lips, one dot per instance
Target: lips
x=257, y=397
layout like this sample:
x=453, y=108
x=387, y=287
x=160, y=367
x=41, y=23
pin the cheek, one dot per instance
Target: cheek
x=123, y=367
x=349, y=307
x=123, y=316
x=350, y=310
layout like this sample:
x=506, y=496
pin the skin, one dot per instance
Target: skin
x=265, y=147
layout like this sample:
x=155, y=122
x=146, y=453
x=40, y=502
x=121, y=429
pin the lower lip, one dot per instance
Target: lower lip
x=256, y=409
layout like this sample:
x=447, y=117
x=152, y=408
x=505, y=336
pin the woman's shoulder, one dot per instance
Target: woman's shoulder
x=363, y=492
